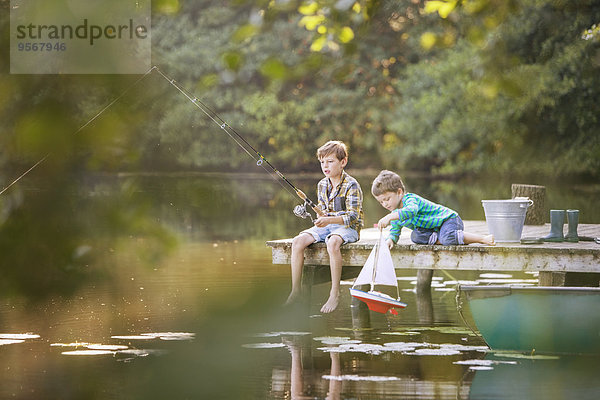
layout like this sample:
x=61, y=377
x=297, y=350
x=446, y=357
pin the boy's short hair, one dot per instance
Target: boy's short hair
x=387, y=181
x=335, y=147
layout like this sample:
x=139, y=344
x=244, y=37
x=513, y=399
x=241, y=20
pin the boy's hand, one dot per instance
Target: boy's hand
x=385, y=221
x=322, y=221
x=390, y=243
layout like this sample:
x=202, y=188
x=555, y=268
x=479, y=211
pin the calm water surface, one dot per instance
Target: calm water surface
x=205, y=321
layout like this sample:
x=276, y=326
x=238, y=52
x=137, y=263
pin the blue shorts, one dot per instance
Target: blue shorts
x=449, y=234
x=348, y=235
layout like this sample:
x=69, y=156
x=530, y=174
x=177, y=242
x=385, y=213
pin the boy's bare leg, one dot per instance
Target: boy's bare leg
x=335, y=264
x=474, y=238
x=335, y=386
x=299, y=243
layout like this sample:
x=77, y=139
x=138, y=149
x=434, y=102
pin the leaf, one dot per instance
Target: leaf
x=443, y=8
x=311, y=22
x=318, y=43
x=346, y=34
x=244, y=32
x=308, y=9
x=232, y=60
x=428, y=40
x=273, y=68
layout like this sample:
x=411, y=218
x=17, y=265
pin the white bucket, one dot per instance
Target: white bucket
x=505, y=218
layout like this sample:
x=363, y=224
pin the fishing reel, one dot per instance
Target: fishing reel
x=301, y=211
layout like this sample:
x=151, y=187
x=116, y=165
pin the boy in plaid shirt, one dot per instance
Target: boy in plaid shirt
x=340, y=198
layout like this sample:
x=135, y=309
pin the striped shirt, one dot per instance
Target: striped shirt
x=417, y=212
x=344, y=200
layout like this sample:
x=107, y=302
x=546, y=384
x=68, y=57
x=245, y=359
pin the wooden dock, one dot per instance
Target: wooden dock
x=559, y=264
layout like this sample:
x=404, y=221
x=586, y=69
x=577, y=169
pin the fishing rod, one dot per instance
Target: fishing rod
x=299, y=210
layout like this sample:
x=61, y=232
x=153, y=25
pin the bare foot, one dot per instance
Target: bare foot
x=489, y=240
x=292, y=298
x=331, y=304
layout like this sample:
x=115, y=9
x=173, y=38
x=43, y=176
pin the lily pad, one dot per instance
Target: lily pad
x=366, y=348
x=74, y=344
x=333, y=340
x=110, y=347
x=407, y=333
x=171, y=335
x=290, y=333
x=263, y=345
x=404, y=346
x=18, y=336
x=133, y=337
x=141, y=352
x=462, y=347
x=360, y=378
x=10, y=341
x=88, y=352
x=436, y=352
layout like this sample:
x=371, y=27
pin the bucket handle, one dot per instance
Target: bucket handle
x=525, y=205
x=529, y=204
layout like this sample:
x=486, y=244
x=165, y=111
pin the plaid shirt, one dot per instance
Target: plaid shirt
x=417, y=212
x=345, y=200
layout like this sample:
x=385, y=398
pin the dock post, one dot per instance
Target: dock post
x=425, y=307
x=552, y=278
x=361, y=317
x=424, y=279
x=308, y=280
x=424, y=300
x=536, y=214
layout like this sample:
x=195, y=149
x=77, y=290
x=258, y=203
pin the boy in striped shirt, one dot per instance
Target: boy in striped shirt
x=431, y=223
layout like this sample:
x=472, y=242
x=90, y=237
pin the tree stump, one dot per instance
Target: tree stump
x=536, y=214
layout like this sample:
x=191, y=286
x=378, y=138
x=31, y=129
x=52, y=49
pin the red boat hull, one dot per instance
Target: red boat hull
x=377, y=303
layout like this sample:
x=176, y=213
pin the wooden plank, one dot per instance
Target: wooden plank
x=546, y=257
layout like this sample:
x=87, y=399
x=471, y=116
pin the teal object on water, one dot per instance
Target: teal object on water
x=537, y=319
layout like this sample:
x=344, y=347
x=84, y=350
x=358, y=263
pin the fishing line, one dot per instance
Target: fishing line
x=260, y=160
x=41, y=160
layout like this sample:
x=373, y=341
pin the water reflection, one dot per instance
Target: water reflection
x=565, y=377
x=343, y=375
x=204, y=320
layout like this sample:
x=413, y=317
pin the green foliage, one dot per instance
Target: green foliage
x=491, y=86
x=522, y=103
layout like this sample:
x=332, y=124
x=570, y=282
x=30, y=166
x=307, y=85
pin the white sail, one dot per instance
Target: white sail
x=385, y=273
x=366, y=273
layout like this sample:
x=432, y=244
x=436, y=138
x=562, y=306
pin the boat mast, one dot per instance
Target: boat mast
x=376, y=259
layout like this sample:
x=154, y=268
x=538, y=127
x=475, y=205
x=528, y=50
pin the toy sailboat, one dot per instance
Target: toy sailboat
x=378, y=270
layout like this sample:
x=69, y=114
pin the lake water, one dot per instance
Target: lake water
x=204, y=320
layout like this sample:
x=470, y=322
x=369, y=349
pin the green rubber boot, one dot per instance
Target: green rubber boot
x=557, y=219
x=573, y=219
